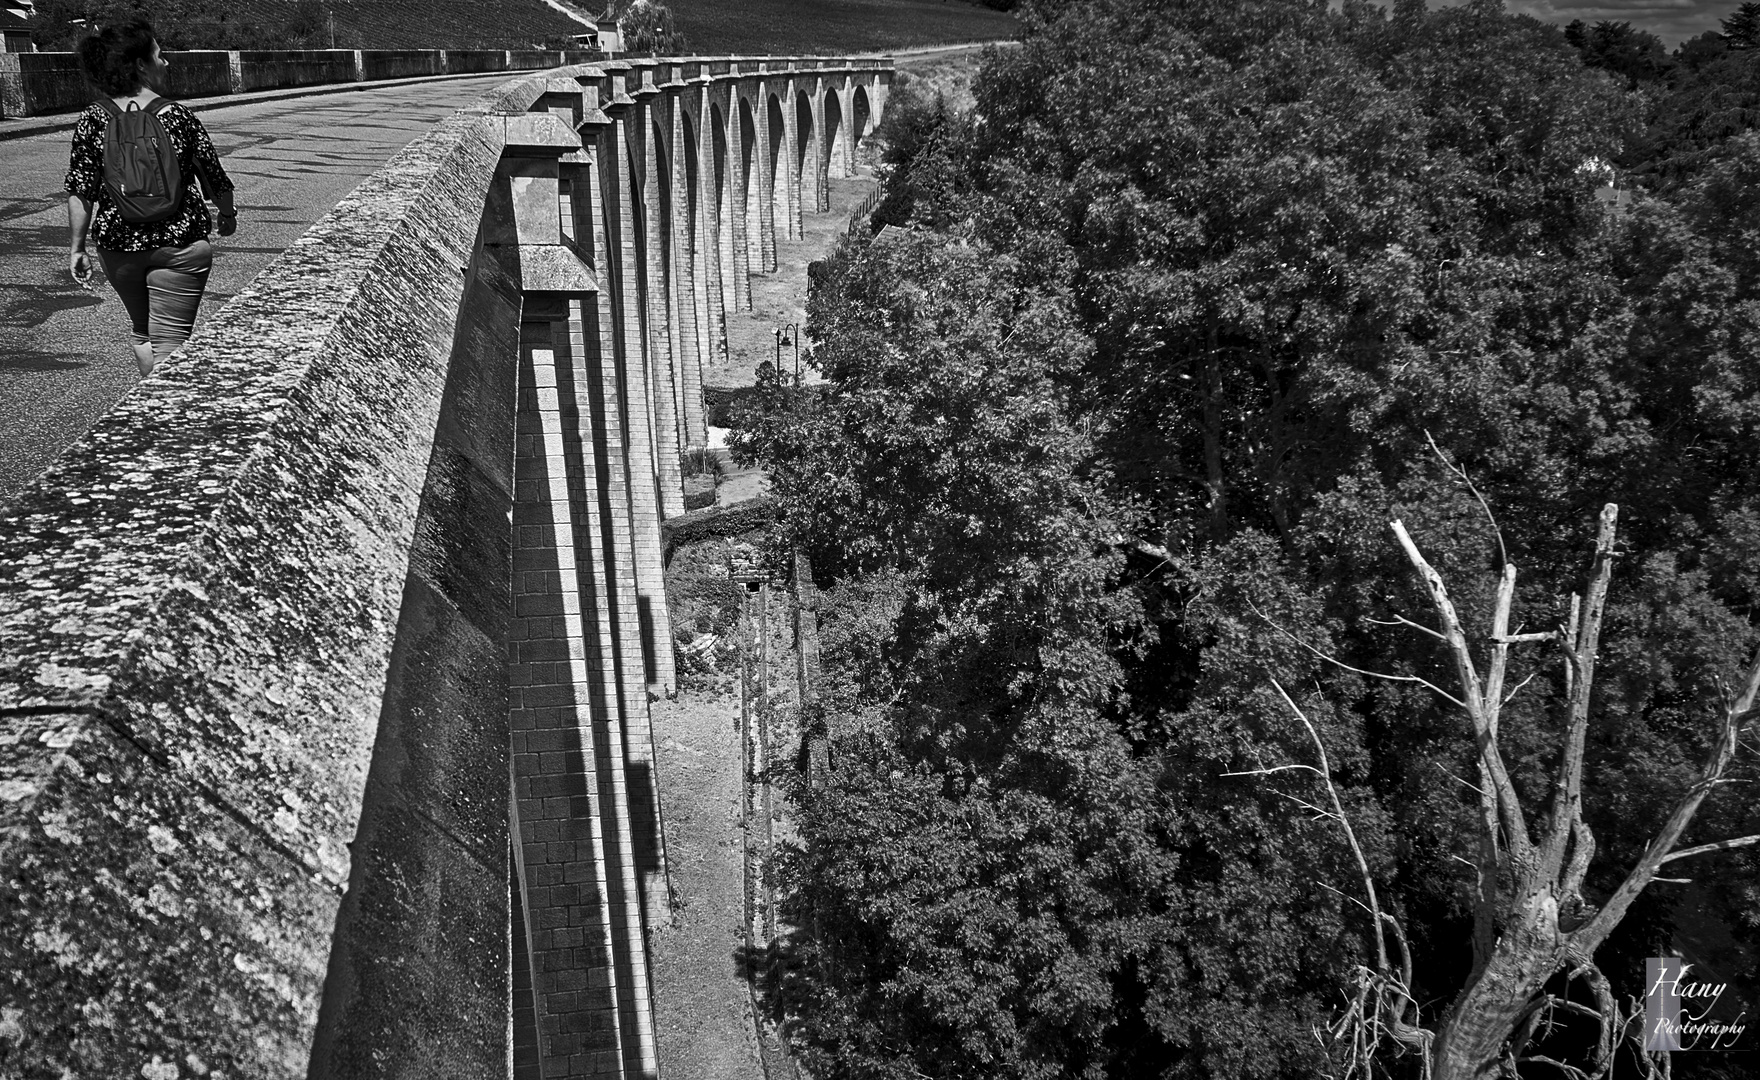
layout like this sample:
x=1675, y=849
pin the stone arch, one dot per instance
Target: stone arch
x=660, y=160
x=837, y=163
x=862, y=124
x=691, y=255
x=664, y=330
x=806, y=143
x=637, y=240
x=776, y=166
x=722, y=227
x=688, y=135
x=751, y=171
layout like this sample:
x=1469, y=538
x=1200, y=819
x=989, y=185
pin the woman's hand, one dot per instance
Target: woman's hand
x=79, y=264
x=226, y=223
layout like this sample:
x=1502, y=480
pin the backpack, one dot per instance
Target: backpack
x=141, y=170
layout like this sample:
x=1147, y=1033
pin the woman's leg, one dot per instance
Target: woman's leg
x=127, y=271
x=174, y=291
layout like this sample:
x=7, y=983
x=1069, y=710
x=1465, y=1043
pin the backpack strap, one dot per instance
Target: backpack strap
x=154, y=106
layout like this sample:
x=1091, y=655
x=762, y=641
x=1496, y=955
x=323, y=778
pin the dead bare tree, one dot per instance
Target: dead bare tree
x=1531, y=922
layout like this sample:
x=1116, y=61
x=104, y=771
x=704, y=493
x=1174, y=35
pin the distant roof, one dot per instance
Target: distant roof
x=12, y=20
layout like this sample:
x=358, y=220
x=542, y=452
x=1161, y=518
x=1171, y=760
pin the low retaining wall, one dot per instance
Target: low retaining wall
x=35, y=83
x=273, y=70
x=38, y=84
x=198, y=74
x=402, y=64
x=470, y=60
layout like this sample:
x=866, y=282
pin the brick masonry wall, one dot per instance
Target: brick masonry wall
x=567, y=768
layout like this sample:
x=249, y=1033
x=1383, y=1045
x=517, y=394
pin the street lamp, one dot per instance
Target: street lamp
x=783, y=341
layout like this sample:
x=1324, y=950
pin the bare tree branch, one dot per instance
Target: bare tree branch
x=1401, y=620
x=1567, y=796
x=1502, y=552
x=1508, y=807
x=1736, y=714
x=1335, y=662
x=1721, y=845
x=1350, y=834
x=1541, y=1059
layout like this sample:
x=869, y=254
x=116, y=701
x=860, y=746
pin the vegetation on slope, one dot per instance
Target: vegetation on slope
x=790, y=27
x=781, y=27
x=1109, y=449
x=320, y=24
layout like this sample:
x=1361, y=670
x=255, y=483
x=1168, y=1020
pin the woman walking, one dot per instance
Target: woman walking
x=137, y=158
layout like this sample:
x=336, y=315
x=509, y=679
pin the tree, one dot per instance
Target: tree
x=645, y=29
x=919, y=165
x=1158, y=362
x=1742, y=28
x=1635, y=56
x=1531, y=924
x=998, y=864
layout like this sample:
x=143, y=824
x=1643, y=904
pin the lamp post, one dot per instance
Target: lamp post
x=783, y=341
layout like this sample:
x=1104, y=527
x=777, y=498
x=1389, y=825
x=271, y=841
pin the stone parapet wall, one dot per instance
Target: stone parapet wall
x=404, y=63
x=273, y=70
x=341, y=629
x=200, y=74
x=35, y=83
x=198, y=608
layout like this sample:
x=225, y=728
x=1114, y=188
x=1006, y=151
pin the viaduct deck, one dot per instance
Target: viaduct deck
x=326, y=654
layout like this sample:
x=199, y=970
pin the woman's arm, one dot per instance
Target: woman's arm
x=215, y=183
x=79, y=219
x=84, y=183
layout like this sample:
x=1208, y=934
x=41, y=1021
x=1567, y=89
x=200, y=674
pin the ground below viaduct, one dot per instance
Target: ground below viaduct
x=326, y=657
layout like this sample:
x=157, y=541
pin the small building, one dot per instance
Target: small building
x=587, y=42
x=610, y=40
x=15, y=27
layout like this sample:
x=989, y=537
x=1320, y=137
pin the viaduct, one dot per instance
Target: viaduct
x=326, y=658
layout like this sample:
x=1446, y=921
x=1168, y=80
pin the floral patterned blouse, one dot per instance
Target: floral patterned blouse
x=196, y=156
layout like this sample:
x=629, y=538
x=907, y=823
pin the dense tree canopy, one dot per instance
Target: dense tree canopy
x=1111, y=439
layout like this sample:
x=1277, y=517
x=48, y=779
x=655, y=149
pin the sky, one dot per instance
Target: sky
x=1673, y=21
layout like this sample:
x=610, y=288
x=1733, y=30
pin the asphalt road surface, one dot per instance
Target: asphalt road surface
x=64, y=355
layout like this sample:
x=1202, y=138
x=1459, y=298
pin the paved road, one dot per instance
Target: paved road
x=64, y=356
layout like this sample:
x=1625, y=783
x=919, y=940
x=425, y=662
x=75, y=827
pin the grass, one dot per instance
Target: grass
x=792, y=27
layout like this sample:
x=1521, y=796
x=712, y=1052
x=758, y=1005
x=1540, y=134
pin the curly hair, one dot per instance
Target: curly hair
x=110, y=57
